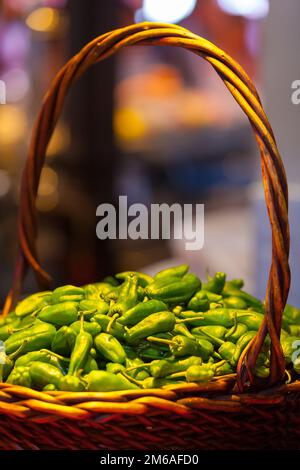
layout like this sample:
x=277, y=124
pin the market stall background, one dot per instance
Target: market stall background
x=151, y=123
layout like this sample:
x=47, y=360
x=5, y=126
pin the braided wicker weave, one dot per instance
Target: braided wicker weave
x=231, y=412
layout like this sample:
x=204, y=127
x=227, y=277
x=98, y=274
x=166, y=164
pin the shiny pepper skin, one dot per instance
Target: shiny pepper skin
x=67, y=294
x=128, y=296
x=156, y=323
x=43, y=374
x=81, y=350
x=103, y=381
x=199, y=302
x=176, y=271
x=143, y=279
x=38, y=336
x=215, y=284
x=140, y=311
x=33, y=303
x=20, y=376
x=110, y=348
x=174, y=290
x=63, y=341
x=62, y=314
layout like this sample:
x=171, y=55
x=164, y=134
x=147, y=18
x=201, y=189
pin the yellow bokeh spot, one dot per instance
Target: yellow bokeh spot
x=13, y=124
x=43, y=20
x=129, y=124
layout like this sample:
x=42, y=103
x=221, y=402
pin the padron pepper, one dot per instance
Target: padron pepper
x=43, y=355
x=235, y=302
x=140, y=311
x=110, y=348
x=201, y=373
x=103, y=381
x=81, y=350
x=33, y=303
x=42, y=374
x=128, y=296
x=218, y=332
x=249, y=299
x=94, y=305
x=183, y=346
x=291, y=315
x=176, y=291
x=70, y=383
x=199, y=302
x=67, y=294
x=159, y=322
x=143, y=279
x=215, y=284
x=176, y=271
x=63, y=341
x=20, y=376
x=62, y=314
x=93, y=328
x=116, y=329
x=38, y=336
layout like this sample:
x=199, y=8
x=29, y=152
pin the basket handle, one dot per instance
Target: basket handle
x=273, y=173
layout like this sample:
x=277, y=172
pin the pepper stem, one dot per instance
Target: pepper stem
x=185, y=320
x=233, y=328
x=111, y=322
x=214, y=338
x=130, y=379
x=154, y=339
x=19, y=350
x=61, y=358
x=140, y=366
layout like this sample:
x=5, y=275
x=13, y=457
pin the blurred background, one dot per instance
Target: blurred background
x=155, y=124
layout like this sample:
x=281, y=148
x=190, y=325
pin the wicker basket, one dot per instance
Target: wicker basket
x=232, y=412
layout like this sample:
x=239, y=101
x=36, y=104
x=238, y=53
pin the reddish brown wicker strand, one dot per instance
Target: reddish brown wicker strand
x=274, y=178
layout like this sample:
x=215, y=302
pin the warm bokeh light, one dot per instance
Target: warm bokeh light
x=4, y=183
x=13, y=124
x=47, y=194
x=129, y=124
x=60, y=141
x=43, y=20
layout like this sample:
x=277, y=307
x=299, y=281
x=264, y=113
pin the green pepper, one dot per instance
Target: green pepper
x=183, y=346
x=163, y=367
x=252, y=320
x=91, y=364
x=5, y=332
x=128, y=296
x=218, y=332
x=199, y=302
x=176, y=271
x=70, y=383
x=143, y=279
x=235, y=302
x=111, y=280
x=201, y=373
x=110, y=348
x=116, y=328
x=136, y=368
x=94, y=291
x=59, y=314
x=159, y=322
x=181, y=329
x=63, y=341
x=140, y=311
x=114, y=367
x=234, y=284
x=294, y=330
x=49, y=388
x=224, y=369
x=33, y=303
x=215, y=284
x=291, y=315
x=38, y=336
x=146, y=351
x=103, y=381
x=7, y=363
x=42, y=374
x=215, y=298
x=93, y=328
x=241, y=344
x=81, y=350
x=249, y=299
x=236, y=332
x=154, y=382
x=174, y=292
x=94, y=305
x=67, y=294
x=20, y=376
x=261, y=372
x=43, y=355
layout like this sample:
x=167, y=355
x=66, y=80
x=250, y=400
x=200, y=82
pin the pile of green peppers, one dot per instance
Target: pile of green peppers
x=134, y=331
